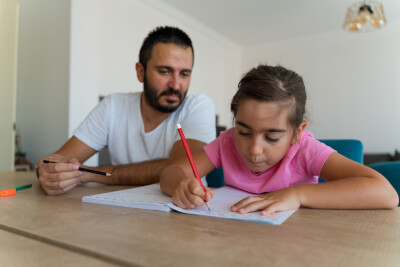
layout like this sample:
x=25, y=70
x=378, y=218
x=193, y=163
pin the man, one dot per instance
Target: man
x=139, y=129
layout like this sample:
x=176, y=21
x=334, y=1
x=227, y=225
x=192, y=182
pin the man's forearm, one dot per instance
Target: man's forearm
x=132, y=174
x=143, y=173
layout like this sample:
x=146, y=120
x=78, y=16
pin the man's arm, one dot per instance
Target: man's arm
x=143, y=173
x=74, y=148
x=61, y=177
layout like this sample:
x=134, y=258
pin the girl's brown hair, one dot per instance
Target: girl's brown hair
x=274, y=84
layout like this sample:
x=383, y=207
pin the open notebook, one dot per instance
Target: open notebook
x=150, y=197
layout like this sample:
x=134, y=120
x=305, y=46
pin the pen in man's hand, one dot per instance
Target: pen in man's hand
x=83, y=169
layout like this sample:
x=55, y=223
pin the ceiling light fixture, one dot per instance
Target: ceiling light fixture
x=364, y=17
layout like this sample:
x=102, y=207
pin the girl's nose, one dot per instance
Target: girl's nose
x=256, y=147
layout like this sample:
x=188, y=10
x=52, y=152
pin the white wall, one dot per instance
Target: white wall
x=8, y=70
x=352, y=81
x=43, y=71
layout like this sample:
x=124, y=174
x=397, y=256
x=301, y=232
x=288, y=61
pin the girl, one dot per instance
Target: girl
x=268, y=152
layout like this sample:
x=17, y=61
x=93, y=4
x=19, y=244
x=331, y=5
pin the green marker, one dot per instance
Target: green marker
x=23, y=187
x=10, y=192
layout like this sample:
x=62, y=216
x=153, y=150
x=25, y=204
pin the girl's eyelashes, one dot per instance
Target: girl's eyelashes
x=273, y=140
x=269, y=139
x=244, y=134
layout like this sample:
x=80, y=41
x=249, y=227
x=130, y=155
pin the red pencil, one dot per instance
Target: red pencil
x=189, y=154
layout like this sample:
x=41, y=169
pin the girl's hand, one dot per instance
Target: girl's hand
x=282, y=200
x=189, y=194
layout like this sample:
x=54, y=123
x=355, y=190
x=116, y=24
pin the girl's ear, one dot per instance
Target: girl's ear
x=139, y=71
x=299, y=132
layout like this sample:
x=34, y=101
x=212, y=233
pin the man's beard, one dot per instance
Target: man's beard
x=152, y=98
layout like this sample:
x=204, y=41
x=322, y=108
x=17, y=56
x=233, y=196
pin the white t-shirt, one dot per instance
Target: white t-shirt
x=117, y=122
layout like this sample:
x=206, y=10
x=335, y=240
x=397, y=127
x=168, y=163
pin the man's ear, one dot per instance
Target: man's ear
x=140, y=71
x=299, y=132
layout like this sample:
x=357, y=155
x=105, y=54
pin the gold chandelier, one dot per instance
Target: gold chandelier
x=364, y=17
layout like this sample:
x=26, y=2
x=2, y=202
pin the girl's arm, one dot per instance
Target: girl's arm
x=350, y=185
x=179, y=182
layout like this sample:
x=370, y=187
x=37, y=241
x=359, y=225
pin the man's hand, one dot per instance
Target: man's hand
x=60, y=177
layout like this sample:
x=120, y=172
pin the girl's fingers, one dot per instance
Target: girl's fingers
x=194, y=198
x=251, y=204
x=179, y=198
x=209, y=194
x=183, y=196
x=177, y=201
x=244, y=202
x=190, y=195
x=274, y=207
x=195, y=188
x=254, y=206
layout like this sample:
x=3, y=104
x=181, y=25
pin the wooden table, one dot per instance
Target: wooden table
x=92, y=234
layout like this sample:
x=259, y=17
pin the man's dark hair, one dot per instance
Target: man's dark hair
x=166, y=35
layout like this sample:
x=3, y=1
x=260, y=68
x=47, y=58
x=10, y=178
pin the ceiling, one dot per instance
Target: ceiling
x=248, y=22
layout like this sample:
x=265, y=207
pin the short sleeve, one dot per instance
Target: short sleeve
x=94, y=129
x=213, y=151
x=313, y=154
x=198, y=118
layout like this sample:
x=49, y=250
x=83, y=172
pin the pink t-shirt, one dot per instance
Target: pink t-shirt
x=302, y=164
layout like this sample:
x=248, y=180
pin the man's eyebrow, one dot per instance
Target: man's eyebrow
x=264, y=130
x=163, y=67
x=170, y=68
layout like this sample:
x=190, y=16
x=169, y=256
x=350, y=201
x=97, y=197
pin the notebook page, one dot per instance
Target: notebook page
x=144, y=197
x=221, y=203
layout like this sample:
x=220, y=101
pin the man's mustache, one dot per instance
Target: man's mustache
x=171, y=91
